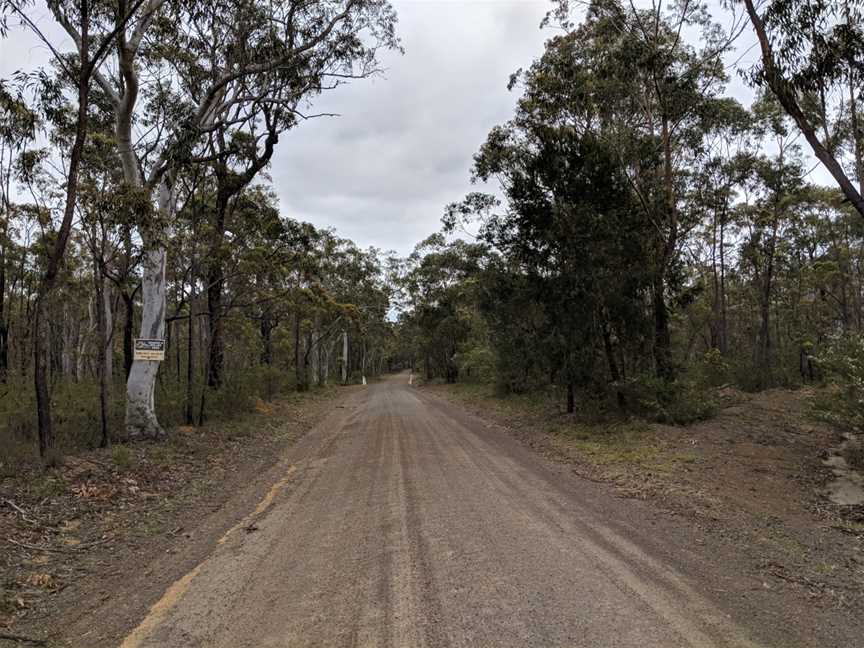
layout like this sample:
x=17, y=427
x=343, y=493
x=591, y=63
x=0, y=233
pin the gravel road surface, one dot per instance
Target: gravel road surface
x=405, y=522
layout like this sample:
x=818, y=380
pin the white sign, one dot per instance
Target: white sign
x=149, y=349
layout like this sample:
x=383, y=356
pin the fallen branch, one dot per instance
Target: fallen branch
x=23, y=639
x=20, y=511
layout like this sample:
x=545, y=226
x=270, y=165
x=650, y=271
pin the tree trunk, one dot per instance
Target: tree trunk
x=763, y=349
x=4, y=351
x=614, y=373
x=662, y=339
x=266, y=329
x=763, y=360
x=58, y=251
x=103, y=359
x=128, y=326
x=188, y=409
x=571, y=397
x=4, y=327
x=84, y=337
x=715, y=280
x=724, y=346
x=43, y=402
x=69, y=329
x=108, y=348
x=857, y=135
x=215, y=286
x=344, y=357
x=141, y=421
x=314, y=357
x=298, y=356
x=326, y=351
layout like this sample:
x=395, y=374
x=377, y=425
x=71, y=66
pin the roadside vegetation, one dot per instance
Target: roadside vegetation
x=653, y=239
x=659, y=295
x=73, y=534
x=136, y=204
x=655, y=253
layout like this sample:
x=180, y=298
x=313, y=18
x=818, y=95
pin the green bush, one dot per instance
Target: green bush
x=677, y=402
x=712, y=369
x=75, y=415
x=122, y=458
x=842, y=362
x=476, y=365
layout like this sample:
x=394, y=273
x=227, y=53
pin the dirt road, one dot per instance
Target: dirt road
x=404, y=522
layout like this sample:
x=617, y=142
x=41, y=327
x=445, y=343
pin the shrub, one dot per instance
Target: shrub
x=854, y=454
x=712, y=369
x=477, y=365
x=677, y=402
x=842, y=361
x=121, y=457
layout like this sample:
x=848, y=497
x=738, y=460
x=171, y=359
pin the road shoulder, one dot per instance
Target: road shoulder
x=99, y=541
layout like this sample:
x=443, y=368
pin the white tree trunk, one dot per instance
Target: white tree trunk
x=324, y=364
x=344, y=357
x=141, y=419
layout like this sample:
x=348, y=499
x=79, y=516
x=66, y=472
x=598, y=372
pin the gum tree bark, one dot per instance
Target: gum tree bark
x=141, y=421
x=344, y=357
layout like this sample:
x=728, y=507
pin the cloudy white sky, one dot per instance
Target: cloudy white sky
x=401, y=149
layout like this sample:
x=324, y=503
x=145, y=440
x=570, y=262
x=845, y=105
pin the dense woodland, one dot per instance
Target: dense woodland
x=136, y=203
x=651, y=237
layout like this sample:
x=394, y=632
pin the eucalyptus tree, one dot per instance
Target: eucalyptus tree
x=258, y=53
x=633, y=76
x=813, y=62
x=711, y=192
x=774, y=187
x=17, y=129
x=438, y=284
x=106, y=238
x=240, y=142
x=361, y=278
x=266, y=280
x=243, y=151
x=92, y=36
x=573, y=225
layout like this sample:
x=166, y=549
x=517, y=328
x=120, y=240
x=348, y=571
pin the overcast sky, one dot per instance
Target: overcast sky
x=401, y=149
x=382, y=172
